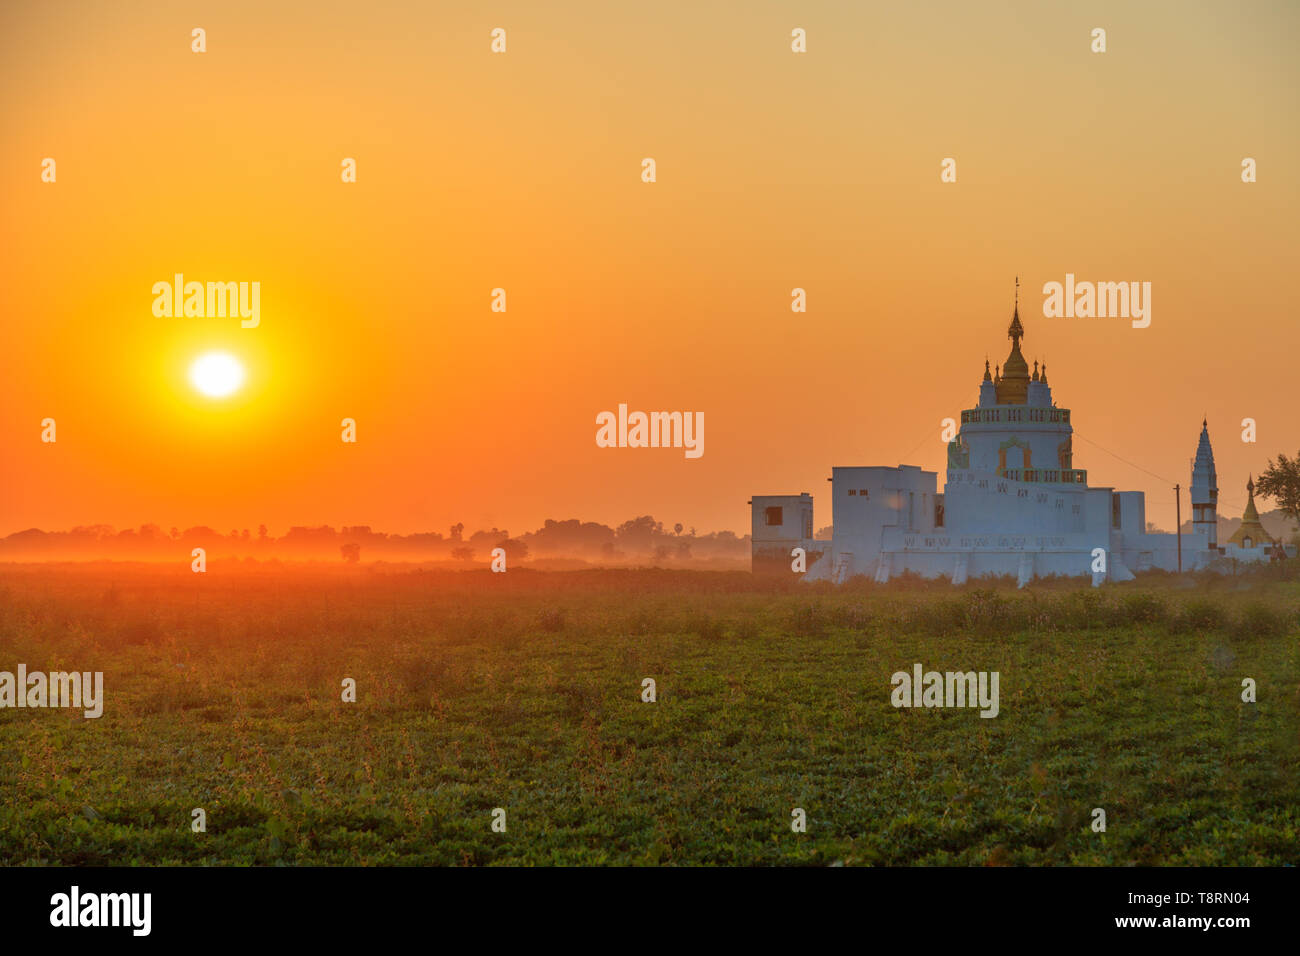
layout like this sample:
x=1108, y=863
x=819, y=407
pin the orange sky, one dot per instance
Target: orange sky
x=522, y=171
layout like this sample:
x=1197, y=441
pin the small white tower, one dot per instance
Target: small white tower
x=1039, y=393
x=1205, y=490
x=988, y=391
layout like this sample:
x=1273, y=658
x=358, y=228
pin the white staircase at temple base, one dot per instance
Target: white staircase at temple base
x=843, y=567
x=883, y=567
x=1026, y=573
x=959, y=572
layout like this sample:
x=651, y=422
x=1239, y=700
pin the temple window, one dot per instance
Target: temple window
x=773, y=516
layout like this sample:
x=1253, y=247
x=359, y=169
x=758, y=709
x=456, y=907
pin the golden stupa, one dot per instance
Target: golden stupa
x=1251, y=534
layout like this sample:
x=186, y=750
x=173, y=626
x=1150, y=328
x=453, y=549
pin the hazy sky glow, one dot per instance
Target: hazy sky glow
x=522, y=171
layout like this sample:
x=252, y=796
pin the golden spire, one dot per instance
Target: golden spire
x=987, y=376
x=1252, y=529
x=1013, y=387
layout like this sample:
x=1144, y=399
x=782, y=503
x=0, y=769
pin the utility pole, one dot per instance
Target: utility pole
x=1178, y=524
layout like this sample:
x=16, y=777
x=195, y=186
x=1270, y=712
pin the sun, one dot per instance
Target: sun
x=217, y=374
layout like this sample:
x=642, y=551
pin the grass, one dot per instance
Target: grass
x=523, y=691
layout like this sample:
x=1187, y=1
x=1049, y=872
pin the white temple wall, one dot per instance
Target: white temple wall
x=894, y=498
x=977, y=501
x=1133, y=512
x=796, y=518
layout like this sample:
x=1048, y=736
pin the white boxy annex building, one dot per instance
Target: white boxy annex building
x=1013, y=503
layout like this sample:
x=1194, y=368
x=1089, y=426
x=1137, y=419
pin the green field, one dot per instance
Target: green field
x=523, y=691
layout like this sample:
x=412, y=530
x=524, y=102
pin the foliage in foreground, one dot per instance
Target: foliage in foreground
x=523, y=691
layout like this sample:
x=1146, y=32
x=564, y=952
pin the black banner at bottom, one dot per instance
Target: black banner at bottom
x=332, y=905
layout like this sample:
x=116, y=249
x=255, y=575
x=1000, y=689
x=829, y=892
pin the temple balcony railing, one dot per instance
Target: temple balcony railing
x=1048, y=476
x=1015, y=415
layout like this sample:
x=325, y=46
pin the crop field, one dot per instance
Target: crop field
x=523, y=692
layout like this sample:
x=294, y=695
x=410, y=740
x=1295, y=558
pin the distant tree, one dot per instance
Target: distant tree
x=516, y=550
x=261, y=532
x=572, y=537
x=463, y=552
x=678, y=528
x=1281, y=482
x=351, y=552
x=457, y=530
x=96, y=531
x=639, y=534
x=300, y=538
x=1153, y=529
x=488, y=539
x=176, y=533
x=201, y=536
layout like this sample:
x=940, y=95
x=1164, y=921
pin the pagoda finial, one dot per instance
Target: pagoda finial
x=1035, y=370
x=1044, y=378
x=1250, y=485
x=987, y=376
x=1016, y=331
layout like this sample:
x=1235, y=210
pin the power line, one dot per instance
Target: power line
x=1234, y=503
x=1124, y=460
x=929, y=436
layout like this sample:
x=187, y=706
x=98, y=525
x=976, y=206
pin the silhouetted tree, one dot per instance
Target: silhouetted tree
x=639, y=534
x=351, y=552
x=516, y=550
x=1281, y=482
x=571, y=537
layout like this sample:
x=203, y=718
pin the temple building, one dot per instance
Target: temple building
x=1205, y=489
x=1013, y=502
x=1251, y=535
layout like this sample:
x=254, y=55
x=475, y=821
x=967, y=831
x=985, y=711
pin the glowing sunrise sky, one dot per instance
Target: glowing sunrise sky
x=522, y=171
